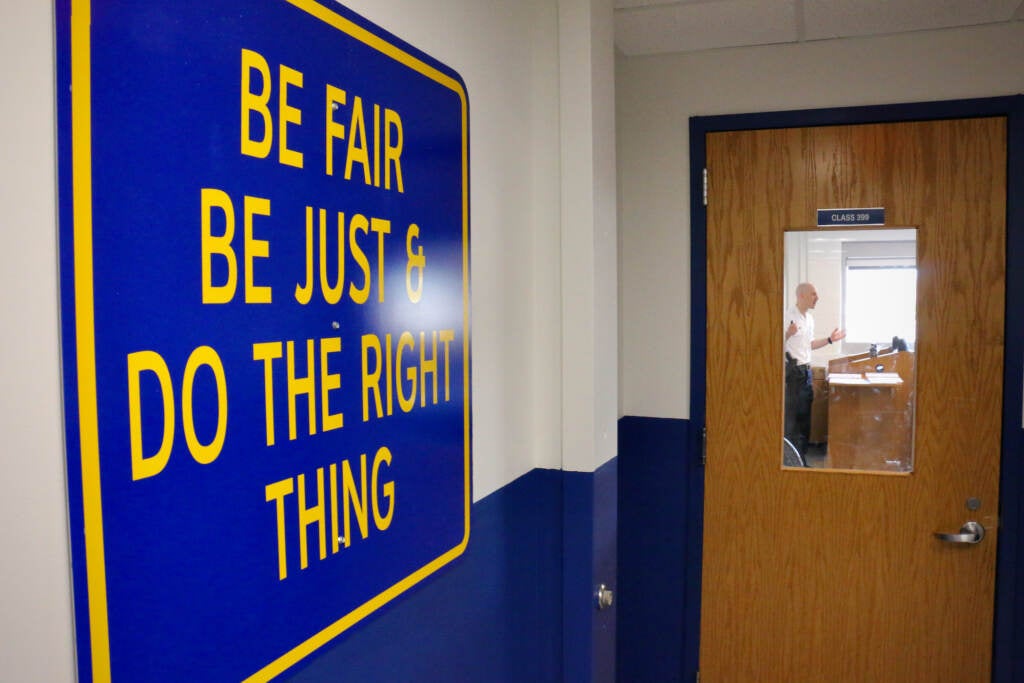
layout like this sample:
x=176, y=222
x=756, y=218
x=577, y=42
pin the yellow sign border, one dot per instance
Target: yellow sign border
x=81, y=145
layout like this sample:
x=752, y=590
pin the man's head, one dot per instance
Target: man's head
x=806, y=296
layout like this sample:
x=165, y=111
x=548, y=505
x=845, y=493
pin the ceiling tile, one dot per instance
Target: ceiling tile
x=844, y=18
x=704, y=25
x=626, y=4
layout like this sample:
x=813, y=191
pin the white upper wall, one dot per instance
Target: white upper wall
x=656, y=96
x=507, y=53
x=588, y=229
x=35, y=620
x=545, y=348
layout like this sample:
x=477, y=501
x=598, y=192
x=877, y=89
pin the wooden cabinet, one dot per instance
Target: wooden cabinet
x=871, y=412
x=819, y=408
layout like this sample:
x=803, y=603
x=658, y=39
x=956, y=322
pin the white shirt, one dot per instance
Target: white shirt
x=799, y=345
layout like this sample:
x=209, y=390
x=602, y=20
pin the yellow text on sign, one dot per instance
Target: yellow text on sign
x=372, y=493
x=301, y=383
x=332, y=284
x=217, y=242
x=396, y=369
x=150, y=363
x=375, y=148
x=217, y=201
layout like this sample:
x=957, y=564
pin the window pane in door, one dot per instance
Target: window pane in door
x=880, y=304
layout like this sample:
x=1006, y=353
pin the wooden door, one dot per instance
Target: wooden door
x=829, y=576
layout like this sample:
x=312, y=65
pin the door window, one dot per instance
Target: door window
x=849, y=337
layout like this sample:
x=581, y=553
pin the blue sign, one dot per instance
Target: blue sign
x=832, y=218
x=265, y=316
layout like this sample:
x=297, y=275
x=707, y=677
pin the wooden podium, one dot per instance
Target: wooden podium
x=819, y=407
x=871, y=412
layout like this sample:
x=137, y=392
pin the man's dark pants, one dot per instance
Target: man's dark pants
x=799, y=396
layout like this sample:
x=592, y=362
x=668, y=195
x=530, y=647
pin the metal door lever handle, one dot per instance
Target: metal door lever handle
x=970, y=532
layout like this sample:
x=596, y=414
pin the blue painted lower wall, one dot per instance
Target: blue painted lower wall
x=652, y=550
x=518, y=606
x=515, y=607
x=590, y=527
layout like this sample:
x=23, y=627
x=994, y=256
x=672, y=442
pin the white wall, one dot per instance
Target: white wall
x=588, y=226
x=657, y=95
x=540, y=75
x=507, y=51
x=35, y=607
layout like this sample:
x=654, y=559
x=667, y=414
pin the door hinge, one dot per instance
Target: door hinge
x=703, y=447
x=704, y=175
x=698, y=677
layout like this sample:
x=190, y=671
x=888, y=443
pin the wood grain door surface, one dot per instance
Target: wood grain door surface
x=831, y=576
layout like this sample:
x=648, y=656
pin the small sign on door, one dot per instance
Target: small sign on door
x=831, y=218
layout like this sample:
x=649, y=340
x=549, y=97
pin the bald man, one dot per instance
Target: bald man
x=799, y=342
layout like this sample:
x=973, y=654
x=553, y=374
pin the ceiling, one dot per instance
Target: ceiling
x=646, y=27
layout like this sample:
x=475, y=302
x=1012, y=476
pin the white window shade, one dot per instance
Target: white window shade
x=880, y=292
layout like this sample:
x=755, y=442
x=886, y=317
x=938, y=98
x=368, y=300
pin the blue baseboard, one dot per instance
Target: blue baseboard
x=653, y=506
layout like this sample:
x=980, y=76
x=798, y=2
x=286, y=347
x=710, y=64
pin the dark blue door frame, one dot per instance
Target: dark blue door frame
x=1008, y=643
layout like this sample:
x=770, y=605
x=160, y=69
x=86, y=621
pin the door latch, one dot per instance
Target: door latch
x=970, y=533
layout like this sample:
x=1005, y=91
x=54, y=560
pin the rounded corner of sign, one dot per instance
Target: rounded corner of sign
x=464, y=543
x=467, y=526
x=461, y=89
x=460, y=549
